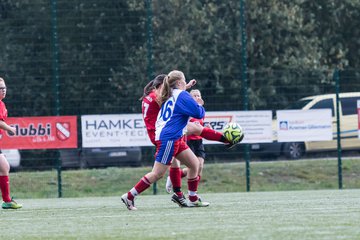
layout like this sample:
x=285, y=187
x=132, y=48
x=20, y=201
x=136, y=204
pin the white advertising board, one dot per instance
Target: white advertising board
x=304, y=125
x=255, y=124
x=115, y=130
x=124, y=130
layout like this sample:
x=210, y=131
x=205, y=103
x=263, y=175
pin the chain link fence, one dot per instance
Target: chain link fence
x=91, y=57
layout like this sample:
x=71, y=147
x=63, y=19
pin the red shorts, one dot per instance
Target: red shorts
x=166, y=150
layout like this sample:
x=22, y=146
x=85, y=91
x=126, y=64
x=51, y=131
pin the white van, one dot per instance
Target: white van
x=348, y=127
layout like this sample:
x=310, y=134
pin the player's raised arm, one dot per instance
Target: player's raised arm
x=190, y=84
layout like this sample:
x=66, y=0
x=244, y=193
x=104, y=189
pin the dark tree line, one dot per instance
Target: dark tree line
x=292, y=48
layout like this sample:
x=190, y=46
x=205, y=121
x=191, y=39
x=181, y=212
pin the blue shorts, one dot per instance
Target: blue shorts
x=166, y=150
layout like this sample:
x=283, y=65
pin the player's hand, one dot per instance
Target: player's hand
x=191, y=83
x=11, y=131
x=200, y=101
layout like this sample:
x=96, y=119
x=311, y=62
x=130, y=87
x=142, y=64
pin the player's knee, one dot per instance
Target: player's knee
x=194, y=129
x=159, y=175
x=198, y=130
x=201, y=166
x=4, y=166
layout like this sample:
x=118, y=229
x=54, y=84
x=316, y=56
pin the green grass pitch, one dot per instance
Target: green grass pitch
x=322, y=214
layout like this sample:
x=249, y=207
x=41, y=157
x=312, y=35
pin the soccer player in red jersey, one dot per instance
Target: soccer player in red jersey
x=150, y=104
x=194, y=141
x=8, y=203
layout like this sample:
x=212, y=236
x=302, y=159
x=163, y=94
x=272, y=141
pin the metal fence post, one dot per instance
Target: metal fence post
x=55, y=67
x=244, y=86
x=149, y=43
x=149, y=46
x=337, y=89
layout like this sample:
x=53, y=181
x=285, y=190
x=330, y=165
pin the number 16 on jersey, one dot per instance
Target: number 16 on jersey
x=166, y=110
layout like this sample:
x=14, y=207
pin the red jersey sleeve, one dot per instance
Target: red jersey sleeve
x=150, y=110
x=3, y=113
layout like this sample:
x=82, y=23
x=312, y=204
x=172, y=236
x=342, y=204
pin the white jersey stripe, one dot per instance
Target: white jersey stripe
x=164, y=156
x=167, y=152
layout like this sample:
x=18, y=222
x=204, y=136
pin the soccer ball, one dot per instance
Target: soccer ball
x=233, y=132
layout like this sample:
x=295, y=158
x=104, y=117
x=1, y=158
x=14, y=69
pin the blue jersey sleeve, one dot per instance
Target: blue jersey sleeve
x=188, y=106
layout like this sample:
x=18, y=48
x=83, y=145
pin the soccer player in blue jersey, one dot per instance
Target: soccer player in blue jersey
x=195, y=142
x=150, y=109
x=177, y=106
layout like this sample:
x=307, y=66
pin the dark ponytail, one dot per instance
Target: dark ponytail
x=147, y=89
x=153, y=84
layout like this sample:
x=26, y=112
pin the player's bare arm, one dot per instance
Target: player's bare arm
x=6, y=127
x=190, y=84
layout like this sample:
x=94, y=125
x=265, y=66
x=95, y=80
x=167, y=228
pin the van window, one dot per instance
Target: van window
x=299, y=104
x=349, y=105
x=326, y=103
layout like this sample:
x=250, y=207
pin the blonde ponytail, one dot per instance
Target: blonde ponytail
x=169, y=84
